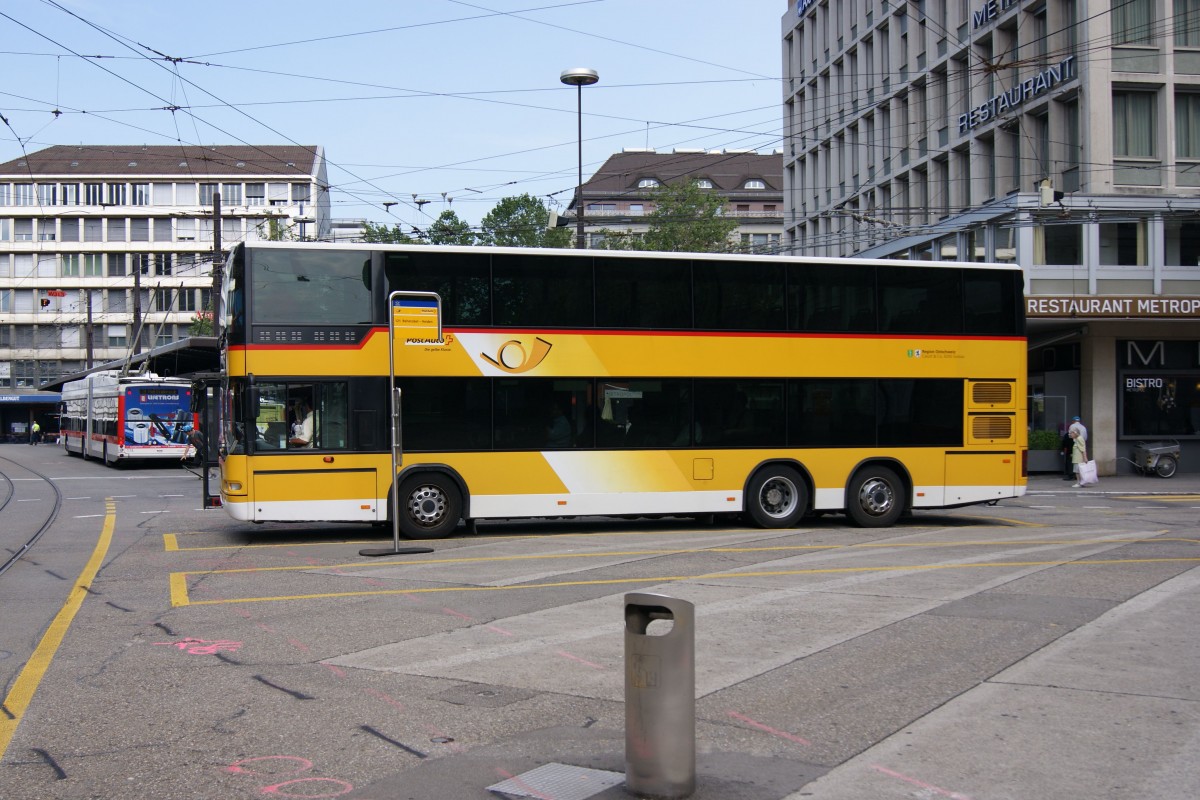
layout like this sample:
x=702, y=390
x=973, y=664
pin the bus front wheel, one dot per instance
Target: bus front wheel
x=777, y=497
x=430, y=506
x=876, y=498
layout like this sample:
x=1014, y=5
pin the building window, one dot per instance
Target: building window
x=47, y=230
x=116, y=229
x=231, y=194
x=163, y=300
x=23, y=194
x=118, y=336
x=118, y=194
x=256, y=194
x=1133, y=21
x=1058, y=245
x=140, y=194
x=70, y=194
x=162, y=229
x=139, y=230
x=1134, y=124
x=277, y=194
x=1123, y=244
x=47, y=194
x=93, y=194
x=301, y=192
x=636, y=209
x=93, y=265
x=601, y=207
x=117, y=265
x=185, y=194
x=207, y=190
x=648, y=183
x=704, y=183
x=1187, y=23
x=1182, y=239
x=70, y=265
x=93, y=229
x=162, y=194
x=23, y=230
x=185, y=230
x=162, y=263
x=1187, y=123
x=755, y=184
x=69, y=230
x=187, y=300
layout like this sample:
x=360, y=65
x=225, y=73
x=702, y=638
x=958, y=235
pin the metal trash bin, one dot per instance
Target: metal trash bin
x=660, y=697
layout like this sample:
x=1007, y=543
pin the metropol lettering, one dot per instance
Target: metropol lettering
x=1027, y=89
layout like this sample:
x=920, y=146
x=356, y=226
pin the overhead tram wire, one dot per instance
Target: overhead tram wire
x=152, y=94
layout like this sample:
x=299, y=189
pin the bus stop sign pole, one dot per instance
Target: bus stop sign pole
x=413, y=310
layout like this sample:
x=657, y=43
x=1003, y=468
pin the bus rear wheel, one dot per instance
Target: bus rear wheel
x=430, y=506
x=876, y=498
x=777, y=497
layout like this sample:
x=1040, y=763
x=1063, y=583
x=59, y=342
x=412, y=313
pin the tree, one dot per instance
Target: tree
x=202, y=323
x=449, y=229
x=383, y=234
x=275, y=230
x=521, y=221
x=685, y=219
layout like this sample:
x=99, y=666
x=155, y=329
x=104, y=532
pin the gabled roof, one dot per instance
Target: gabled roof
x=216, y=161
x=728, y=171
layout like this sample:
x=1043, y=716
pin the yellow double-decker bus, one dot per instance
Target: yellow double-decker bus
x=571, y=382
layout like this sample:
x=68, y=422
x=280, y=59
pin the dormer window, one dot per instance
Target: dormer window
x=754, y=183
x=648, y=183
x=704, y=183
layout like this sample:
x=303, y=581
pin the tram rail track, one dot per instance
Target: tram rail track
x=12, y=535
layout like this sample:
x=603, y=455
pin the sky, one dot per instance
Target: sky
x=457, y=102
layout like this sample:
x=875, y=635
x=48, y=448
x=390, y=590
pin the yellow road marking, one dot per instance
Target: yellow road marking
x=170, y=543
x=183, y=600
x=35, y=668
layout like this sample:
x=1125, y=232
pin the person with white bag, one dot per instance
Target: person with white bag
x=1085, y=471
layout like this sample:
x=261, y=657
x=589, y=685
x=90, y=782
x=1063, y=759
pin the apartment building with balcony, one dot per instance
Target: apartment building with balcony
x=106, y=249
x=619, y=195
x=1062, y=135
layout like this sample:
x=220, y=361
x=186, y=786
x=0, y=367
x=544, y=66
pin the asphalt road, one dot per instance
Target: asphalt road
x=1037, y=648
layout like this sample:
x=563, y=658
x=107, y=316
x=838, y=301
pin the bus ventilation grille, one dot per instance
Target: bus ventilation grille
x=991, y=427
x=991, y=393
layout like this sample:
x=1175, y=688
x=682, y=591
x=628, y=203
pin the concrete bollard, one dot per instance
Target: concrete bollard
x=660, y=697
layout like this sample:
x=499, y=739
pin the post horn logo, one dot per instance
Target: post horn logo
x=512, y=357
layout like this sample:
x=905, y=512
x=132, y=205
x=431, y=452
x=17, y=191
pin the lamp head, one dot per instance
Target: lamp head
x=579, y=76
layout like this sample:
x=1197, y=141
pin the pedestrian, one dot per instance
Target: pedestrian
x=35, y=433
x=1079, y=429
x=1078, y=454
x=1065, y=446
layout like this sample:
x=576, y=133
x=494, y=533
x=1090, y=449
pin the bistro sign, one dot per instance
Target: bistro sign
x=1114, y=307
x=1027, y=89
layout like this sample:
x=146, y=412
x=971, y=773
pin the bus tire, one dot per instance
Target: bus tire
x=876, y=497
x=430, y=506
x=777, y=497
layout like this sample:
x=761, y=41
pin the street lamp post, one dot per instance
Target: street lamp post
x=579, y=77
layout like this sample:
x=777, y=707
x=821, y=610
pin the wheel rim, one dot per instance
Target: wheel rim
x=778, y=497
x=876, y=497
x=427, y=505
x=1166, y=466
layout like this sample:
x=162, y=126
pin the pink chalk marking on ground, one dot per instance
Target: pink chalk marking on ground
x=458, y=614
x=236, y=767
x=242, y=613
x=336, y=670
x=299, y=645
x=768, y=729
x=919, y=783
x=204, y=647
x=500, y=631
x=279, y=791
x=386, y=698
x=373, y=582
x=266, y=628
x=565, y=654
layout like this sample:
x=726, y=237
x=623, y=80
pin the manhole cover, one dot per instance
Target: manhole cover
x=560, y=781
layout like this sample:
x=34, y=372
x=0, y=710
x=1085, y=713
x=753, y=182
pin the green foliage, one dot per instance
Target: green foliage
x=275, y=230
x=686, y=219
x=1044, y=440
x=384, y=235
x=521, y=221
x=202, y=323
x=449, y=229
